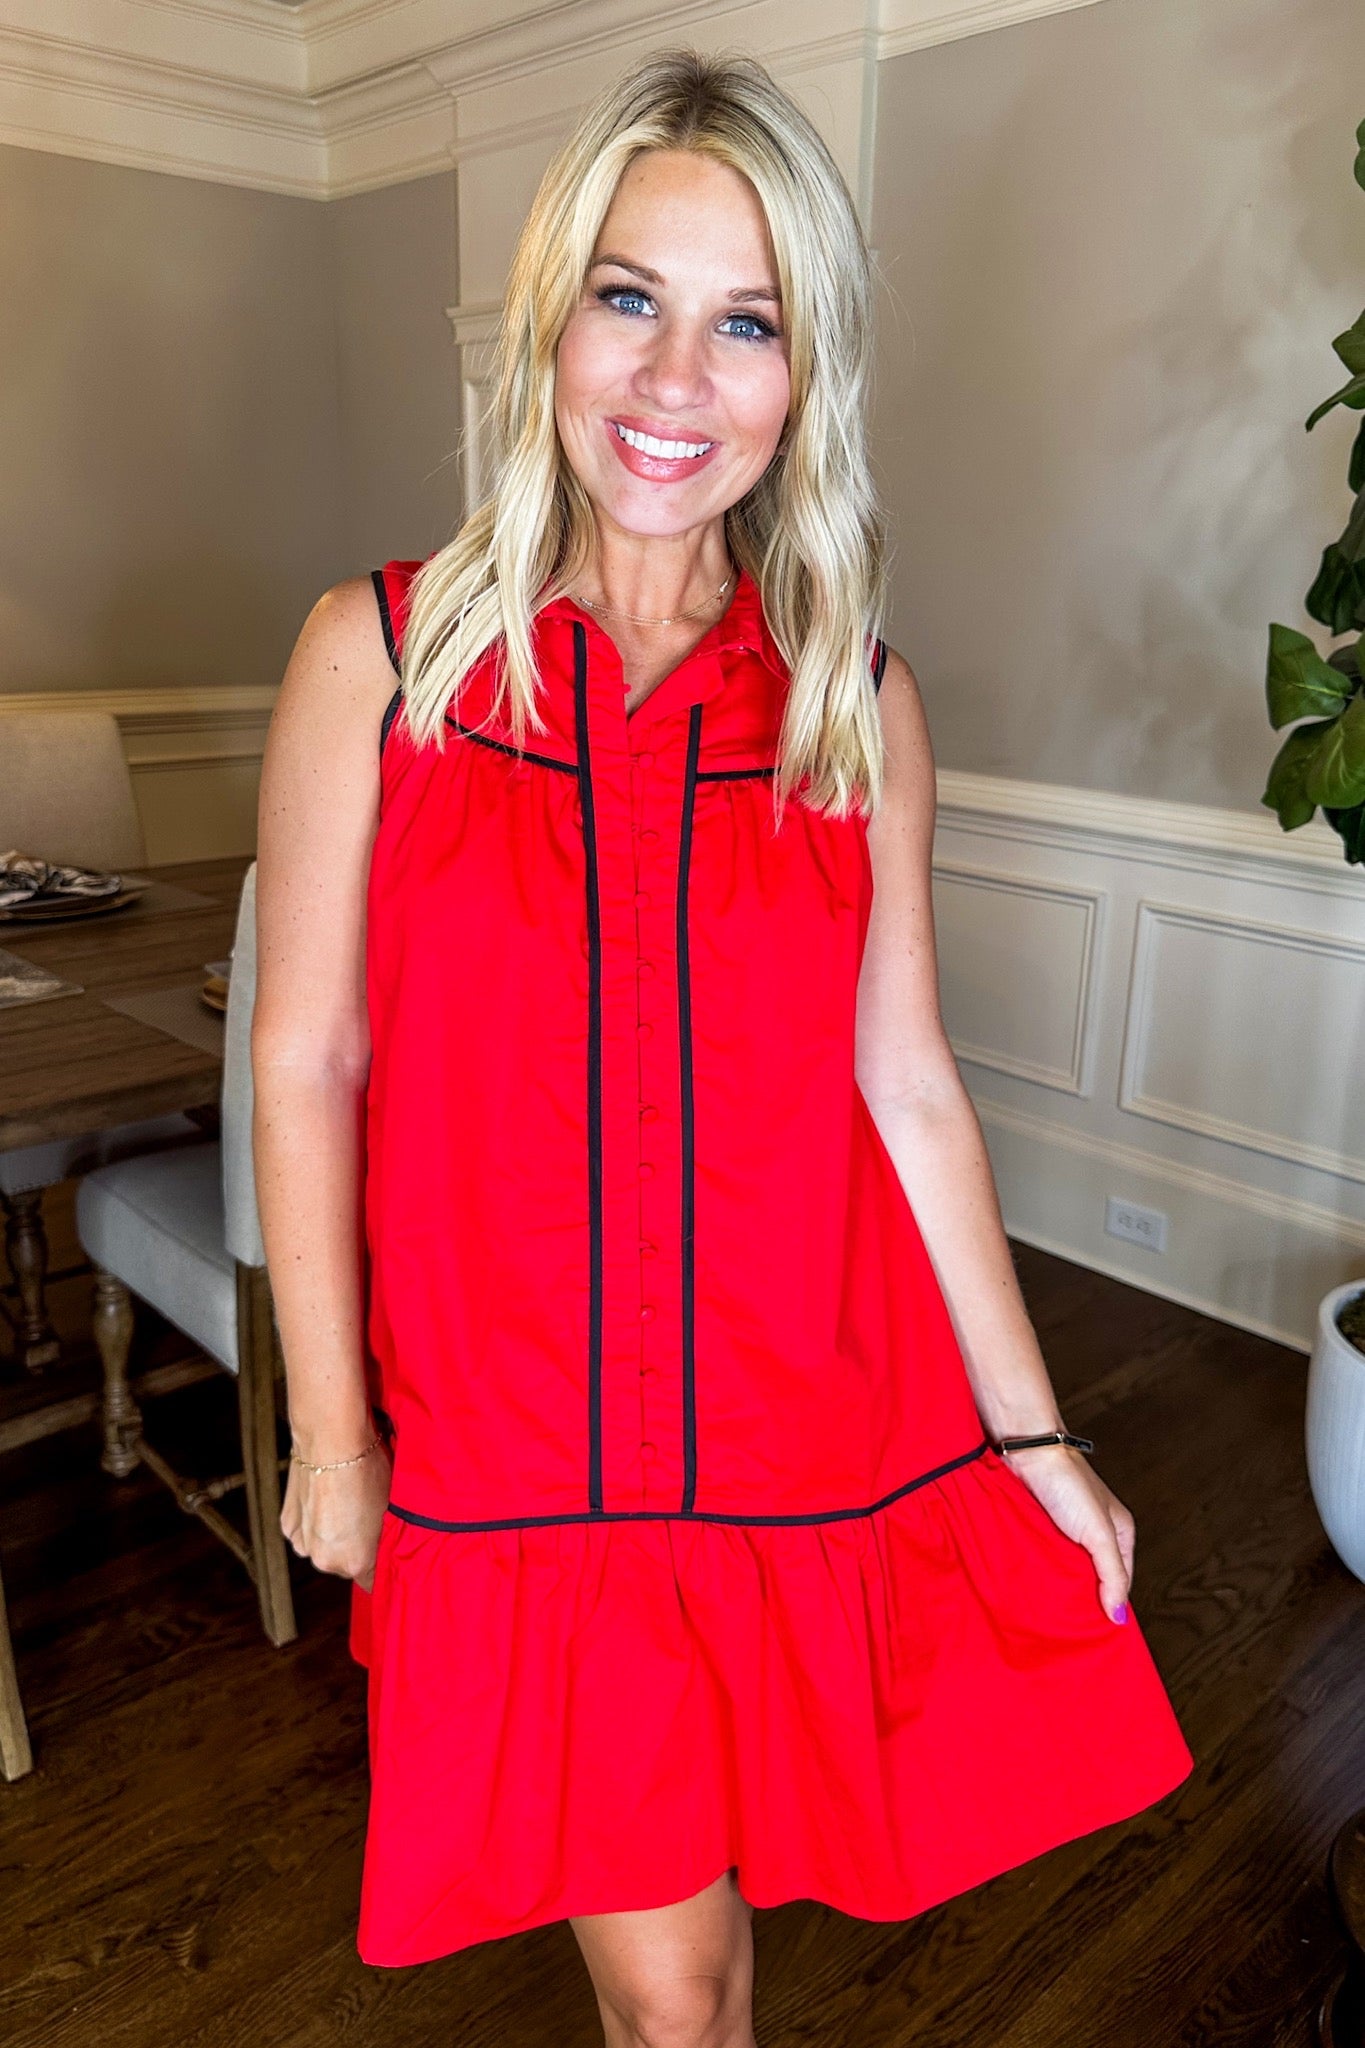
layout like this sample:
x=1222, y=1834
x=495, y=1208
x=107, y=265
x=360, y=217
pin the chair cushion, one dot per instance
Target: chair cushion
x=156, y=1224
x=42, y=1166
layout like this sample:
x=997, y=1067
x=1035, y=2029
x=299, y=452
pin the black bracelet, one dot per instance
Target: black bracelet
x=1006, y=1444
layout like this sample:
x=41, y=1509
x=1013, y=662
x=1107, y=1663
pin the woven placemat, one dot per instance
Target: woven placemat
x=22, y=982
x=176, y=1011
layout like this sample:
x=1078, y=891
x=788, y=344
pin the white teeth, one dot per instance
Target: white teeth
x=670, y=450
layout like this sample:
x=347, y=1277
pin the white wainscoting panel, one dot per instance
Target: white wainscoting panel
x=1163, y=1003
x=1251, y=1032
x=1015, y=966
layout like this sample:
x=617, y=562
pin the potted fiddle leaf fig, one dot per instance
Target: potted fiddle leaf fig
x=1322, y=761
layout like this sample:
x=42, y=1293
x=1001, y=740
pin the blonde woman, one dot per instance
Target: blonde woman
x=657, y=1369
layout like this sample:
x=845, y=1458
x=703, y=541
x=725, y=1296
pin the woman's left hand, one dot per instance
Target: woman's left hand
x=1084, y=1509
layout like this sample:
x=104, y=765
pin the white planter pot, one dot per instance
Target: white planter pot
x=1334, y=1432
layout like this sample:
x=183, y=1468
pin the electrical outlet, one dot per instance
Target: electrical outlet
x=1129, y=1220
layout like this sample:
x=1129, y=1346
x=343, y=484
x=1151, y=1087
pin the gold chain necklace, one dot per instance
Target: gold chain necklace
x=594, y=605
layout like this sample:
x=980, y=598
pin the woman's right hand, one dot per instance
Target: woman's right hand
x=335, y=1518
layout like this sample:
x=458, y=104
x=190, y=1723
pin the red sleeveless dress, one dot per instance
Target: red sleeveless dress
x=696, y=1556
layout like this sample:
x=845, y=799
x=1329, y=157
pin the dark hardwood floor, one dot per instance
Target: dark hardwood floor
x=181, y=1868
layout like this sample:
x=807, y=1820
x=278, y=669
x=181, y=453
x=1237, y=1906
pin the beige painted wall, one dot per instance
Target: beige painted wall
x=1118, y=242
x=172, y=493
x=395, y=269
x=214, y=402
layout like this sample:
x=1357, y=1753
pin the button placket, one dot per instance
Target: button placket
x=640, y=780
x=645, y=839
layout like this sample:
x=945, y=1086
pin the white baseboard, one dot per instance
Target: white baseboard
x=1262, y=1263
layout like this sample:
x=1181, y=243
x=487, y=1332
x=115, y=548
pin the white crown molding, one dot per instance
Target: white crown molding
x=919, y=24
x=252, y=42
x=503, y=51
x=337, y=96
x=121, y=106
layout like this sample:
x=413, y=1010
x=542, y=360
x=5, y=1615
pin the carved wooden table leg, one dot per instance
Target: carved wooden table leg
x=36, y=1342
x=113, y=1320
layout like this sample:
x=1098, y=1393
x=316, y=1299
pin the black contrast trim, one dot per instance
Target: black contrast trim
x=689, y=1177
x=390, y=713
x=701, y=1515
x=878, y=664
x=386, y=618
x=580, y=695
x=734, y=774
x=501, y=746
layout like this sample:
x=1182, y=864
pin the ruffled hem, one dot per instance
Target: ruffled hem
x=877, y=1713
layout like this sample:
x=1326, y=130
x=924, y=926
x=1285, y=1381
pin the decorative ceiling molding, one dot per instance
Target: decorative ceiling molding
x=118, y=107
x=328, y=97
x=917, y=24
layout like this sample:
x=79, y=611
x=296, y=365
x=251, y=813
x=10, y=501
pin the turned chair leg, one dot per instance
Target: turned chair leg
x=257, y=1364
x=113, y=1321
x=16, y=1758
x=36, y=1342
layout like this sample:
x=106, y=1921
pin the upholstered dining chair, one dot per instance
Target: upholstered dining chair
x=180, y=1229
x=65, y=795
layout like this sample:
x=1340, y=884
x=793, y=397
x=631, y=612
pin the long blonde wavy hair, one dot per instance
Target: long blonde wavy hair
x=809, y=531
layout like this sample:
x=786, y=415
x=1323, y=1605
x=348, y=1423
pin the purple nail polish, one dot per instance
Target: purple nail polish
x=1121, y=1613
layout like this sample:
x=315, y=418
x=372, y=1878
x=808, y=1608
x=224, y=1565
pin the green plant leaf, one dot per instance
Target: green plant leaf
x=1338, y=593
x=1298, y=682
x=1284, y=790
x=1352, y=394
x=1335, y=771
x=1360, y=155
x=1351, y=825
x=1346, y=660
x=1350, y=346
x=1355, y=475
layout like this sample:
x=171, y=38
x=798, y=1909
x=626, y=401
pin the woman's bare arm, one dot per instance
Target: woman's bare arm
x=910, y=1080
x=310, y=1049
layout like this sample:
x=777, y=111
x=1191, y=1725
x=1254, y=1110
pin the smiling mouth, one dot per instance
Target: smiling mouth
x=664, y=451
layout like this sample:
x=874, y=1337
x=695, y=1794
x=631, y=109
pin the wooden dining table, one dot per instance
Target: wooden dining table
x=75, y=1063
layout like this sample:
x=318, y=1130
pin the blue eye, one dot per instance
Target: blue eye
x=751, y=326
x=610, y=293
x=762, y=331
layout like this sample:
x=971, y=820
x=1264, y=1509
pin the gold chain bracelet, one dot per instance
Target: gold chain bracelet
x=337, y=1463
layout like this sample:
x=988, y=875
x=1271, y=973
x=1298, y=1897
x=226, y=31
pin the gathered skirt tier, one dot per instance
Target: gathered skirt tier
x=876, y=1713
